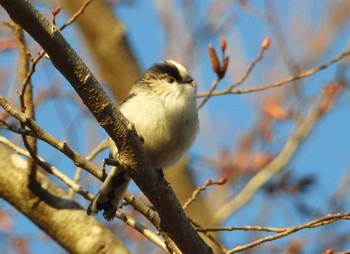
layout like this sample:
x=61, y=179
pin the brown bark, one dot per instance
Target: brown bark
x=50, y=208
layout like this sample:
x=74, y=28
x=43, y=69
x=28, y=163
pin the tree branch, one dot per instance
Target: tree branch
x=284, y=81
x=330, y=218
x=173, y=220
x=41, y=134
x=153, y=237
x=50, y=209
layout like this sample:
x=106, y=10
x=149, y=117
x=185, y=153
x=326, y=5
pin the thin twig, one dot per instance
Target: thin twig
x=264, y=46
x=77, y=14
x=48, y=168
x=251, y=66
x=149, y=234
x=41, y=54
x=330, y=218
x=150, y=215
x=210, y=93
x=34, y=62
x=131, y=199
x=143, y=209
x=62, y=146
x=15, y=129
x=26, y=95
x=200, y=189
x=100, y=147
x=212, y=238
x=25, y=54
x=14, y=147
x=287, y=80
x=245, y=228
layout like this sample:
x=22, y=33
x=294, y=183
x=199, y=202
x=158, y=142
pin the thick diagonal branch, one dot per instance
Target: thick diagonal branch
x=64, y=58
x=50, y=208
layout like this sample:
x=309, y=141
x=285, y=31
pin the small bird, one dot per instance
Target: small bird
x=162, y=105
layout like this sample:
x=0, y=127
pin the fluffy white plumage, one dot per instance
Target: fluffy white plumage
x=162, y=105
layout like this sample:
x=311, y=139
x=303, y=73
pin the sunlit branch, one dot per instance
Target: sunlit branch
x=200, y=189
x=62, y=146
x=243, y=228
x=15, y=129
x=210, y=237
x=153, y=237
x=330, y=218
x=77, y=14
x=48, y=168
x=287, y=80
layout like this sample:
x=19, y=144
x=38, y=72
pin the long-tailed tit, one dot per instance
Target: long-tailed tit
x=162, y=105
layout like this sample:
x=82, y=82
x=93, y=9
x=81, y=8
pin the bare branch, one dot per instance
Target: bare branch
x=210, y=93
x=330, y=218
x=264, y=46
x=62, y=146
x=287, y=80
x=131, y=199
x=48, y=168
x=173, y=219
x=87, y=195
x=245, y=228
x=200, y=189
x=86, y=233
x=149, y=234
x=210, y=237
x=15, y=129
x=218, y=69
x=26, y=95
x=152, y=216
x=100, y=147
x=77, y=14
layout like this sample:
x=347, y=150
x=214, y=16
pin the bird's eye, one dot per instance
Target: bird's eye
x=171, y=80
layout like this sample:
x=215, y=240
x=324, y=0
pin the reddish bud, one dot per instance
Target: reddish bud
x=214, y=60
x=223, y=45
x=332, y=89
x=56, y=10
x=208, y=182
x=272, y=107
x=222, y=181
x=224, y=66
x=266, y=43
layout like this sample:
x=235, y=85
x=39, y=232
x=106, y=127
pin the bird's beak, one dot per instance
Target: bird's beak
x=188, y=79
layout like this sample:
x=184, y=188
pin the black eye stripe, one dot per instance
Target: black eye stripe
x=165, y=69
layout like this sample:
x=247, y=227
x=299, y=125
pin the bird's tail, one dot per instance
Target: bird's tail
x=110, y=195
